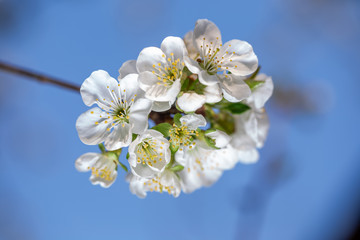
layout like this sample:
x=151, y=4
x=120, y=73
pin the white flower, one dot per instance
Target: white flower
x=160, y=70
x=166, y=181
x=190, y=46
x=203, y=166
x=103, y=168
x=262, y=92
x=251, y=128
x=190, y=101
x=149, y=154
x=235, y=56
x=220, y=138
x=122, y=111
x=184, y=134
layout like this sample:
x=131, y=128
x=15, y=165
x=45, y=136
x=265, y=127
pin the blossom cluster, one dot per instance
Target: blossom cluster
x=213, y=96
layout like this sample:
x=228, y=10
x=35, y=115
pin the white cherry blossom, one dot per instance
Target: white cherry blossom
x=121, y=110
x=103, y=168
x=160, y=71
x=216, y=61
x=149, y=153
x=166, y=181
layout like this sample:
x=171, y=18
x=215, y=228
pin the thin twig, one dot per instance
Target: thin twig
x=36, y=76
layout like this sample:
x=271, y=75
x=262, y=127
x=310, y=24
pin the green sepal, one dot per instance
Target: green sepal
x=237, y=108
x=113, y=156
x=123, y=167
x=127, y=155
x=173, y=148
x=177, y=119
x=164, y=128
x=102, y=148
x=134, y=136
x=253, y=84
x=177, y=168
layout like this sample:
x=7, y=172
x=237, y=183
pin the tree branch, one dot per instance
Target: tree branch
x=36, y=76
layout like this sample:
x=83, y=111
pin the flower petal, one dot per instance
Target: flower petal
x=161, y=106
x=129, y=87
x=148, y=57
x=174, y=45
x=109, y=166
x=161, y=93
x=208, y=30
x=92, y=126
x=189, y=43
x=244, y=61
x=248, y=156
x=136, y=185
x=128, y=67
x=193, y=121
x=261, y=93
x=120, y=137
x=97, y=88
x=192, y=65
x=213, y=93
x=208, y=79
x=138, y=116
x=190, y=101
x=147, y=80
x=143, y=171
x=234, y=88
x=86, y=161
x=220, y=137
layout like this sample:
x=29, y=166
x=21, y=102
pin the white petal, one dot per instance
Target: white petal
x=98, y=87
x=189, y=43
x=208, y=30
x=248, y=156
x=129, y=87
x=148, y=57
x=161, y=106
x=86, y=161
x=120, y=137
x=110, y=166
x=192, y=65
x=193, y=121
x=262, y=127
x=143, y=171
x=244, y=60
x=175, y=46
x=213, y=93
x=208, y=79
x=139, y=115
x=221, y=138
x=161, y=93
x=136, y=185
x=128, y=67
x=190, y=101
x=92, y=128
x=147, y=80
x=261, y=93
x=234, y=88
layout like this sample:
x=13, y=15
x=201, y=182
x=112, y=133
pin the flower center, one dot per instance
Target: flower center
x=182, y=135
x=155, y=185
x=104, y=173
x=147, y=153
x=210, y=60
x=169, y=72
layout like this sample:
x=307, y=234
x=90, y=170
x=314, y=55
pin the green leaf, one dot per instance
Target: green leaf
x=185, y=84
x=164, y=128
x=177, y=119
x=177, y=168
x=127, y=155
x=123, y=166
x=237, y=108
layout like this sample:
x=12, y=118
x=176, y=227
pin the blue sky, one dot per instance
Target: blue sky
x=305, y=184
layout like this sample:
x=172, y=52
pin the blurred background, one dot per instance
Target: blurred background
x=306, y=183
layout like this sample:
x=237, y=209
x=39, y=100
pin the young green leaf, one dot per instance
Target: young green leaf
x=237, y=108
x=164, y=128
x=177, y=119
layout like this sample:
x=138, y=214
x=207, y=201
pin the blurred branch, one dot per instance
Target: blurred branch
x=36, y=76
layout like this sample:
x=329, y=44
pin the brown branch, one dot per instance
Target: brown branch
x=36, y=76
